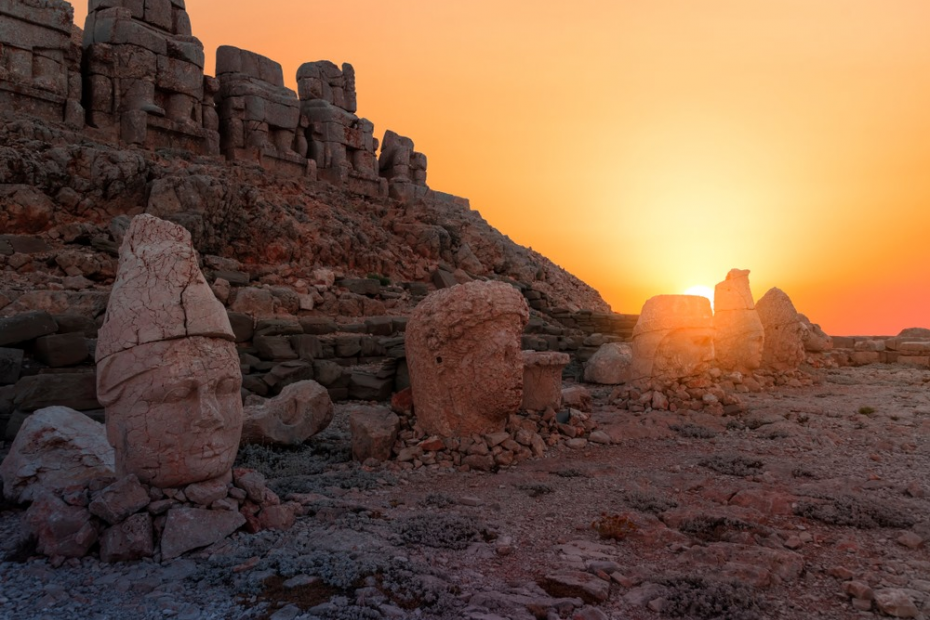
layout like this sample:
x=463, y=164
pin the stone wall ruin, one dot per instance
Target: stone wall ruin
x=40, y=63
x=137, y=78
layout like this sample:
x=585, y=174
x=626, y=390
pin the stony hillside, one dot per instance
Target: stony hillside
x=67, y=187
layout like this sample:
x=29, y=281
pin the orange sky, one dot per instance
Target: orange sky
x=649, y=146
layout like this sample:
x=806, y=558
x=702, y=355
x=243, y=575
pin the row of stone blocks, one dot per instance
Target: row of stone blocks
x=137, y=77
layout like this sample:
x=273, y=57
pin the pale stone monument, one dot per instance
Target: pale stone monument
x=784, y=344
x=738, y=331
x=542, y=379
x=167, y=369
x=673, y=338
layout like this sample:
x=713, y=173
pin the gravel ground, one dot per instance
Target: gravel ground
x=770, y=514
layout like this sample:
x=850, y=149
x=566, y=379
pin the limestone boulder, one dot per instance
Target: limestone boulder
x=784, y=343
x=610, y=364
x=374, y=431
x=56, y=448
x=60, y=529
x=673, y=338
x=191, y=528
x=734, y=293
x=463, y=353
x=299, y=412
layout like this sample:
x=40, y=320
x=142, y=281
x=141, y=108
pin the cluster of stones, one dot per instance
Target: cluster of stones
x=143, y=71
x=40, y=63
x=525, y=436
x=62, y=343
x=403, y=167
x=127, y=520
x=684, y=356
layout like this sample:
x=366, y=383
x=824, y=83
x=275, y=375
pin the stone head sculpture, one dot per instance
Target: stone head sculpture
x=466, y=366
x=673, y=338
x=167, y=368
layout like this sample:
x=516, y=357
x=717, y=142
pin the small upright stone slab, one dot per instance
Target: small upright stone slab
x=542, y=379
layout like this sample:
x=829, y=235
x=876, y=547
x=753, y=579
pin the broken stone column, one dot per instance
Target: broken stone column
x=402, y=166
x=463, y=351
x=784, y=335
x=167, y=369
x=259, y=116
x=738, y=331
x=673, y=338
x=342, y=144
x=144, y=78
x=40, y=62
x=542, y=379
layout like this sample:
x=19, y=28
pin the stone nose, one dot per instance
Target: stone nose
x=208, y=414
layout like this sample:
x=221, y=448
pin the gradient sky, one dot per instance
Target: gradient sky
x=650, y=146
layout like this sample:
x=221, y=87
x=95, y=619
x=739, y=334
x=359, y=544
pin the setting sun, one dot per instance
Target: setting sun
x=702, y=291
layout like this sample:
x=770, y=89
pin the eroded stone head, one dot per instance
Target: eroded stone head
x=673, y=338
x=739, y=335
x=466, y=366
x=167, y=368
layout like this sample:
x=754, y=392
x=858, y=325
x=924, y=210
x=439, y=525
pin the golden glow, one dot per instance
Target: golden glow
x=645, y=146
x=701, y=291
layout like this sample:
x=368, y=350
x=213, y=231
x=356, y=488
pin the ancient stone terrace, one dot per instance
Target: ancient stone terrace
x=136, y=78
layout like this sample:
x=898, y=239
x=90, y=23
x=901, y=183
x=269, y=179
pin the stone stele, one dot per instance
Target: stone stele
x=167, y=368
x=463, y=350
x=738, y=331
x=673, y=338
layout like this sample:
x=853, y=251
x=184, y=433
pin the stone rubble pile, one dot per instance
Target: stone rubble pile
x=525, y=436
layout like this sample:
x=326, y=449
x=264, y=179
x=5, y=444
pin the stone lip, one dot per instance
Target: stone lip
x=160, y=292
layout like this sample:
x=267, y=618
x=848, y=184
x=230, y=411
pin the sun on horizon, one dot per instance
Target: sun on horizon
x=702, y=291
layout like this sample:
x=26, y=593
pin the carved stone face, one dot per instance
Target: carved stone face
x=173, y=408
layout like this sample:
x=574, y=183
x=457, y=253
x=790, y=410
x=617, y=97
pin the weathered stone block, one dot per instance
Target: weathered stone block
x=60, y=350
x=26, y=326
x=77, y=390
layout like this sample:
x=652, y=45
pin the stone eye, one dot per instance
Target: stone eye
x=179, y=393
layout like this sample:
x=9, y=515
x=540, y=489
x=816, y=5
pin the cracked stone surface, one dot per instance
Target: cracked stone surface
x=167, y=370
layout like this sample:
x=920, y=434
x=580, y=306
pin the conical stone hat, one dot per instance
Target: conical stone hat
x=160, y=293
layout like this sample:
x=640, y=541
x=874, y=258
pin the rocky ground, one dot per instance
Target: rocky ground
x=811, y=504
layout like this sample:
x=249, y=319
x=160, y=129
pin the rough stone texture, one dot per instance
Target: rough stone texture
x=575, y=583
x=144, y=75
x=133, y=539
x=459, y=338
x=374, y=431
x=542, y=379
x=61, y=350
x=75, y=390
x=299, y=412
x=60, y=530
x=258, y=116
x=160, y=293
x=784, y=344
x=404, y=167
x=610, y=364
x=191, y=528
x=168, y=371
x=341, y=144
x=738, y=331
x=673, y=338
x=896, y=603
x=55, y=448
x=814, y=338
x=119, y=500
x=40, y=63
x=11, y=364
x=25, y=327
x=577, y=397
